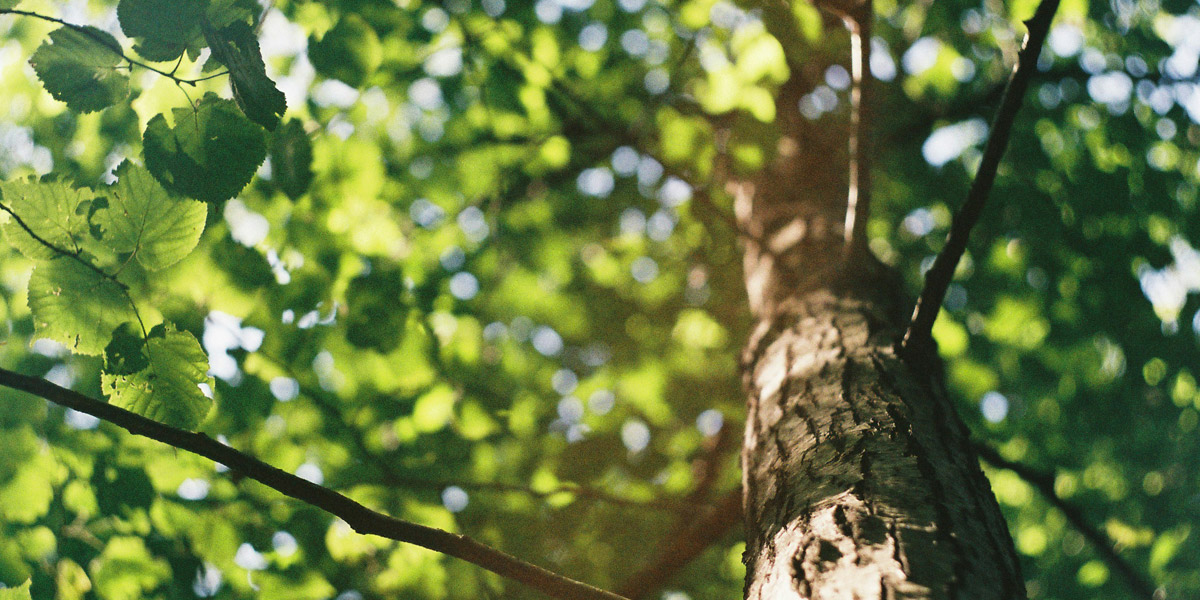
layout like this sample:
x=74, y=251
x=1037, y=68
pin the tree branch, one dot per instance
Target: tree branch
x=1044, y=483
x=125, y=57
x=77, y=255
x=360, y=518
x=858, y=203
x=937, y=280
x=859, y=17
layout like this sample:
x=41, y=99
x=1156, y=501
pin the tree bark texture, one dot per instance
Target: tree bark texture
x=859, y=480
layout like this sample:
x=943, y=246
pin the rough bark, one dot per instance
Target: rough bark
x=859, y=479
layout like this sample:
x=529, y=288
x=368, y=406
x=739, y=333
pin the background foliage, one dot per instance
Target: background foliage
x=470, y=263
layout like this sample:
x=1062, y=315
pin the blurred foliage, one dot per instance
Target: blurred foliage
x=481, y=277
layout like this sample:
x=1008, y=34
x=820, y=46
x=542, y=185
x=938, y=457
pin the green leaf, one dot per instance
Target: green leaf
x=236, y=47
x=165, y=27
x=126, y=353
x=4, y=5
x=53, y=210
x=349, y=52
x=76, y=305
x=78, y=65
x=145, y=219
x=224, y=12
x=291, y=159
x=168, y=389
x=210, y=154
x=375, y=319
x=21, y=592
x=27, y=496
x=126, y=570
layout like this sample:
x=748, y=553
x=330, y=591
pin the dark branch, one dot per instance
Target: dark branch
x=1044, y=482
x=939, y=275
x=360, y=518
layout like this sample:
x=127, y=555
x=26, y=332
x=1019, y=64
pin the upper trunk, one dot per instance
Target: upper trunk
x=859, y=478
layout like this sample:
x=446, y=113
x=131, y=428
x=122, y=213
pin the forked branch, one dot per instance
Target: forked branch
x=937, y=280
x=360, y=518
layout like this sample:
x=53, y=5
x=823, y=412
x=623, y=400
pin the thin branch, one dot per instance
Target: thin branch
x=858, y=202
x=1044, y=483
x=937, y=280
x=103, y=42
x=360, y=518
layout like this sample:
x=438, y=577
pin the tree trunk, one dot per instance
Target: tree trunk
x=858, y=475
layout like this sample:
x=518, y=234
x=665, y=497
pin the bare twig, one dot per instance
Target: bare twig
x=360, y=518
x=1044, y=483
x=937, y=280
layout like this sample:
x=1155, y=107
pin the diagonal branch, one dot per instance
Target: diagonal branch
x=1044, y=482
x=939, y=275
x=360, y=518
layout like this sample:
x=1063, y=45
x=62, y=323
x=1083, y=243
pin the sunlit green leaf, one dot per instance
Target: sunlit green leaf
x=167, y=390
x=143, y=218
x=209, y=154
x=78, y=65
x=126, y=570
x=221, y=13
x=53, y=211
x=76, y=305
x=21, y=592
x=27, y=496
